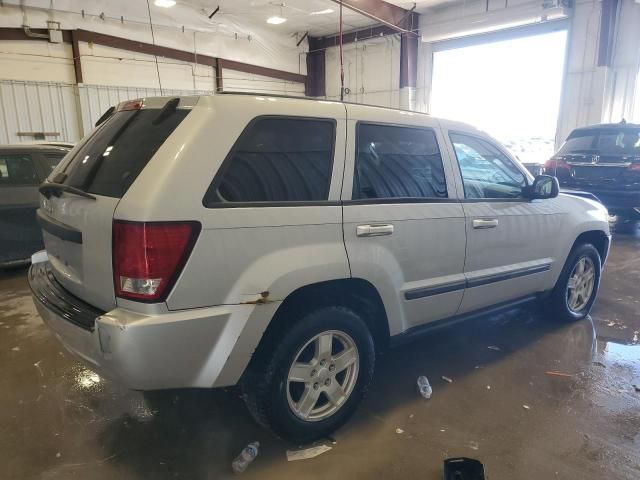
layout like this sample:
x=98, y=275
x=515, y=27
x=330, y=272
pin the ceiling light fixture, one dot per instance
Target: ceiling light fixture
x=276, y=20
x=322, y=12
x=164, y=3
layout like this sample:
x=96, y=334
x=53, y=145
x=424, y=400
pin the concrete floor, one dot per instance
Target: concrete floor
x=58, y=420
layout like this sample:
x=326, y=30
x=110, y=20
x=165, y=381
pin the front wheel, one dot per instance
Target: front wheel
x=308, y=381
x=577, y=287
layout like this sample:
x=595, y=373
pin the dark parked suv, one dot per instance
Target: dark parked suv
x=605, y=161
x=22, y=169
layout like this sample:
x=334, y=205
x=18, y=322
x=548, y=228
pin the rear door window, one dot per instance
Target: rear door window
x=397, y=162
x=277, y=159
x=17, y=170
x=119, y=149
x=53, y=159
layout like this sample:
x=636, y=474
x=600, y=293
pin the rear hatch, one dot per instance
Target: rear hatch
x=80, y=196
x=606, y=158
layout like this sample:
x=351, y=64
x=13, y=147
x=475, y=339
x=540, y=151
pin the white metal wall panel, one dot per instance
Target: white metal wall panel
x=246, y=82
x=96, y=99
x=371, y=72
x=38, y=107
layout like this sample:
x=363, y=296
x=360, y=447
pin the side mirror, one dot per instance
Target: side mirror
x=544, y=186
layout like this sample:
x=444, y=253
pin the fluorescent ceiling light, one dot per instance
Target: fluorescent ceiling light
x=164, y=3
x=276, y=20
x=322, y=12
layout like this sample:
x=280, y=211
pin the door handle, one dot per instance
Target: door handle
x=480, y=223
x=377, y=230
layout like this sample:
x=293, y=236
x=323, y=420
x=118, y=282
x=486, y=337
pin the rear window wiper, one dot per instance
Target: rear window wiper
x=50, y=188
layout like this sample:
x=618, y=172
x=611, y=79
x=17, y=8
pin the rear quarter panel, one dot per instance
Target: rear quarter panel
x=241, y=251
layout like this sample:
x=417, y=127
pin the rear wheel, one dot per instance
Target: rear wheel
x=577, y=287
x=308, y=381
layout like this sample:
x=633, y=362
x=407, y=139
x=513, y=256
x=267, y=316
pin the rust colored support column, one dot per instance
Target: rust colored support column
x=75, y=49
x=315, y=84
x=219, y=84
x=408, y=60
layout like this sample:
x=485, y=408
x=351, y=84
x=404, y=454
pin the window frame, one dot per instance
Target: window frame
x=224, y=166
x=34, y=164
x=392, y=200
x=501, y=150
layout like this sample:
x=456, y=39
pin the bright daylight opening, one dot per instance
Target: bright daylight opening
x=510, y=89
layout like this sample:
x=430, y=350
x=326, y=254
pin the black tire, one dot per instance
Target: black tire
x=558, y=301
x=265, y=385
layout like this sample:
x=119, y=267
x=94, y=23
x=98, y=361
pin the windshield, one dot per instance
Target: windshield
x=606, y=141
x=117, y=151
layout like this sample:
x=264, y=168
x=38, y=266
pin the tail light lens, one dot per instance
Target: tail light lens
x=148, y=257
x=555, y=166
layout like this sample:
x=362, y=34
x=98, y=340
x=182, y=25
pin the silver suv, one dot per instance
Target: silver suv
x=279, y=243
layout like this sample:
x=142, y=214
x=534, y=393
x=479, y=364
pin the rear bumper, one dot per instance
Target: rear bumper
x=612, y=199
x=191, y=348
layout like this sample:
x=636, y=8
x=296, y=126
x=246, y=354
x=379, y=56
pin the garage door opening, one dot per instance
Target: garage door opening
x=509, y=88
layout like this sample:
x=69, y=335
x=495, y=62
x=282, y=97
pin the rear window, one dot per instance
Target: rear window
x=609, y=141
x=115, y=154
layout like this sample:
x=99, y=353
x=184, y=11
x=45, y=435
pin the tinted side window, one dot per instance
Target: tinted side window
x=397, y=162
x=17, y=170
x=53, y=159
x=277, y=159
x=486, y=171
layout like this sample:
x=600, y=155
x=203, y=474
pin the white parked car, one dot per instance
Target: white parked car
x=278, y=243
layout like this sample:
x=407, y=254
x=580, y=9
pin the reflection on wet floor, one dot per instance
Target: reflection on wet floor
x=547, y=400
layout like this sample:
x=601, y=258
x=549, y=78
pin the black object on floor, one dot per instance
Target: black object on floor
x=463, y=469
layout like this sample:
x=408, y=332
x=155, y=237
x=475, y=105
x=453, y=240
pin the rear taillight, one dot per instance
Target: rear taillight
x=148, y=257
x=555, y=166
x=635, y=167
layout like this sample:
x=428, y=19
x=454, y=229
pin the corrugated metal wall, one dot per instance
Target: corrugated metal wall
x=63, y=111
x=96, y=99
x=27, y=107
x=246, y=82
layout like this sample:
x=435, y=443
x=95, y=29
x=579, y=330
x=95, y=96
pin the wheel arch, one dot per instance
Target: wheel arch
x=599, y=239
x=354, y=293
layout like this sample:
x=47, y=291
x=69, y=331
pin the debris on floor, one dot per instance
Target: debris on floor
x=247, y=455
x=526, y=407
x=493, y=347
x=474, y=445
x=15, y=349
x=488, y=387
x=424, y=388
x=306, y=453
x=447, y=379
x=559, y=374
x=399, y=431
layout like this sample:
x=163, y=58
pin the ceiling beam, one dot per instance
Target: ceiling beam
x=383, y=12
x=320, y=43
x=87, y=36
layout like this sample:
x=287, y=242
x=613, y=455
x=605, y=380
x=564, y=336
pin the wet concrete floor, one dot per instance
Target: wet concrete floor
x=59, y=420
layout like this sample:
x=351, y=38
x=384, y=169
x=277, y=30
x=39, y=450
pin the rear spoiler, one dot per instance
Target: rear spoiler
x=580, y=193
